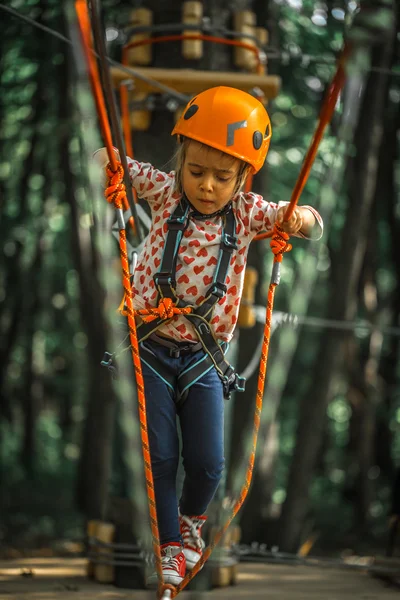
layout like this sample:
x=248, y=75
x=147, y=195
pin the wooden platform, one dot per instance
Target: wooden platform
x=189, y=81
x=64, y=579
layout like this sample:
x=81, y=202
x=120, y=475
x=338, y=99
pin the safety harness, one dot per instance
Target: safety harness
x=200, y=315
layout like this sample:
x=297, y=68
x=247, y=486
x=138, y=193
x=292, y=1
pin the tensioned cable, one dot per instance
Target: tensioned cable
x=153, y=82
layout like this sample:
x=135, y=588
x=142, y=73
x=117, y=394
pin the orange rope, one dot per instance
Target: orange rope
x=207, y=38
x=116, y=193
x=166, y=309
x=325, y=117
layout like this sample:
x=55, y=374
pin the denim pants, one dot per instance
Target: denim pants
x=201, y=420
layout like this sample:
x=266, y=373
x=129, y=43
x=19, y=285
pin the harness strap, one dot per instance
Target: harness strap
x=199, y=316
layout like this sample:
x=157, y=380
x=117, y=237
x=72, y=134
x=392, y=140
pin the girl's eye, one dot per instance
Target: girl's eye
x=222, y=178
x=195, y=174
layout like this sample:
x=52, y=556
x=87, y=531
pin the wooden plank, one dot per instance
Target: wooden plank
x=189, y=81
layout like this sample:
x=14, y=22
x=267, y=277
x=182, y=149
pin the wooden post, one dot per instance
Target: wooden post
x=245, y=22
x=247, y=317
x=140, y=55
x=140, y=119
x=91, y=531
x=104, y=573
x=192, y=14
x=262, y=37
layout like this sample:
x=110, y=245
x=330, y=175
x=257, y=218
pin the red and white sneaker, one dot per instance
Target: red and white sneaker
x=193, y=544
x=173, y=563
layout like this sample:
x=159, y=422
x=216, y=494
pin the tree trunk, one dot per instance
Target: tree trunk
x=343, y=305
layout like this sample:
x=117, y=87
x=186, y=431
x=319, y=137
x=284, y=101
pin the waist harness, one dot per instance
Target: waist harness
x=165, y=282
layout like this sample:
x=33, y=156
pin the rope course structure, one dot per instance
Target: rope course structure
x=119, y=194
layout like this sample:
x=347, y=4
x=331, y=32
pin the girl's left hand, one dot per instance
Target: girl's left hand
x=294, y=224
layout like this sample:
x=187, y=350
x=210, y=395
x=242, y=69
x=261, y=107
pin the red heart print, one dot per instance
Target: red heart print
x=210, y=237
x=199, y=299
x=198, y=269
x=183, y=279
x=150, y=186
x=238, y=228
x=222, y=301
x=188, y=232
x=221, y=328
x=165, y=227
x=140, y=267
x=141, y=279
x=232, y=290
x=154, y=250
x=212, y=261
x=188, y=259
x=165, y=214
x=158, y=217
x=160, y=176
x=238, y=269
x=237, y=301
x=181, y=328
x=259, y=216
x=152, y=239
x=151, y=283
x=179, y=267
x=246, y=221
x=154, y=294
x=207, y=279
x=215, y=320
x=228, y=308
x=234, y=319
x=194, y=243
x=159, y=231
x=144, y=290
x=233, y=259
x=182, y=249
x=202, y=252
x=192, y=291
x=148, y=271
x=157, y=262
x=242, y=250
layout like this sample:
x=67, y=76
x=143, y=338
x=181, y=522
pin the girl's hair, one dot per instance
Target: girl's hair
x=180, y=155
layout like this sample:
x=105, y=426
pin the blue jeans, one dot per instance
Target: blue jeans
x=202, y=427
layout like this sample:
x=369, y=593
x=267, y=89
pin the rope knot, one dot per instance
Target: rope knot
x=115, y=191
x=166, y=309
x=279, y=243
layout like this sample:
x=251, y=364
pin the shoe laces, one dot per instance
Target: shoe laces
x=191, y=532
x=170, y=560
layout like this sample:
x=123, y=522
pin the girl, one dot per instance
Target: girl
x=195, y=256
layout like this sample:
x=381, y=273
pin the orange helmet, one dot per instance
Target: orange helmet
x=229, y=120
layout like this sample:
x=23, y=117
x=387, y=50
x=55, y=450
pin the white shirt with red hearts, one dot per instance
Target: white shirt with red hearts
x=198, y=252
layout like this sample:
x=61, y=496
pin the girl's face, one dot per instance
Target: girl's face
x=209, y=177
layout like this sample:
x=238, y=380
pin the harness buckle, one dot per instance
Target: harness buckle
x=177, y=223
x=217, y=289
x=229, y=241
x=232, y=382
x=163, y=279
x=109, y=363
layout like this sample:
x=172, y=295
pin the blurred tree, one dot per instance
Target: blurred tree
x=362, y=181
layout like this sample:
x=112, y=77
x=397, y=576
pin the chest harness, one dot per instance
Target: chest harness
x=200, y=316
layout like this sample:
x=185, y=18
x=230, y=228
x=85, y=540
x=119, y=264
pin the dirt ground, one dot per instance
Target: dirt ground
x=64, y=579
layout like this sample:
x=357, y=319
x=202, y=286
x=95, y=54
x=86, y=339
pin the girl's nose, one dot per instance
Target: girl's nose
x=206, y=183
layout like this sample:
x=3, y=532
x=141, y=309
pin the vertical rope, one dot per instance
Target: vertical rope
x=115, y=193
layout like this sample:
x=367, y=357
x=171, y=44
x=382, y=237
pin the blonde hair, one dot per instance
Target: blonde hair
x=180, y=155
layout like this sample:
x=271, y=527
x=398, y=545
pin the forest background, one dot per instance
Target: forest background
x=330, y=438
